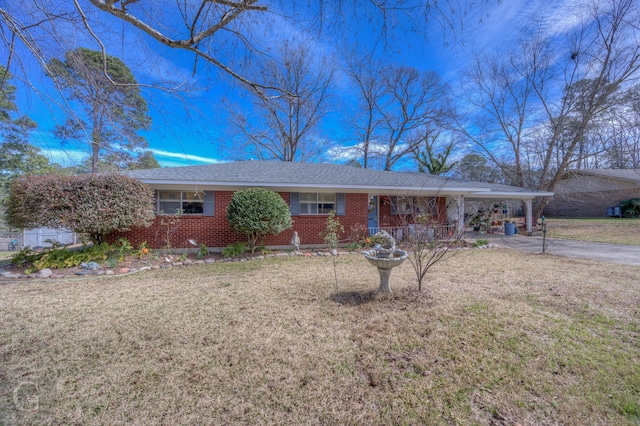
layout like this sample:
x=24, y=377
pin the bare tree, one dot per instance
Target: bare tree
x=426, y=235
x=414, y=101
x=365, y=72
x=217, y=31
x=537, y=105
x=397, y=107
x=281, y=125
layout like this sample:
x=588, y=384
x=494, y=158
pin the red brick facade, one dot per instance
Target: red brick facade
x=215, y=232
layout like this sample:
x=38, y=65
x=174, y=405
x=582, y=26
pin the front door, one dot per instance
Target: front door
x=373, y=215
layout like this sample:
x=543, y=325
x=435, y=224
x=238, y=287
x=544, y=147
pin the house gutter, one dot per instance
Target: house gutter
x=285, y=187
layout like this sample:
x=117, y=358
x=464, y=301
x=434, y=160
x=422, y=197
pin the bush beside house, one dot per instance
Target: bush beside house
x=95, y=204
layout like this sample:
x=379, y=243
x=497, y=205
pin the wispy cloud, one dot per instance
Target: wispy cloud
x=166, y=158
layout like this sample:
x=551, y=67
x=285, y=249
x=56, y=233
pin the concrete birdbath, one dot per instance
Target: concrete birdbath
x=385, y=257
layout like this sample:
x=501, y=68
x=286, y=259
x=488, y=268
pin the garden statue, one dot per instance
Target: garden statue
x=295, y=241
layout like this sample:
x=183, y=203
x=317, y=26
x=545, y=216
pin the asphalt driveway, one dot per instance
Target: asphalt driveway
x=614, y=253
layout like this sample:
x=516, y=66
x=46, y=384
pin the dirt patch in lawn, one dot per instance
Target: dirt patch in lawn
x=498, y=337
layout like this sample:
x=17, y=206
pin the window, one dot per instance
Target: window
x=185, y=202
x=316, y=203
x=413, y=205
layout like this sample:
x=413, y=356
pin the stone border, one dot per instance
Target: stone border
x=47, y=274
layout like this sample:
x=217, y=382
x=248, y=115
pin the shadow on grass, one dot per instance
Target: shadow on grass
x=355, y=298
x=398, y=299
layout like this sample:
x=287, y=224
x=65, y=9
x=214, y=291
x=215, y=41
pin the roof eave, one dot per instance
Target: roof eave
x=522, y=195
x=282, y=186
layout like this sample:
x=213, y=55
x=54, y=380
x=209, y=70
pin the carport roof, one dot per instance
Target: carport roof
x=322, y=177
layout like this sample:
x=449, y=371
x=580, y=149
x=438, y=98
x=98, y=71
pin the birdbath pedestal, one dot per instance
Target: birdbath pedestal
x=385, y=257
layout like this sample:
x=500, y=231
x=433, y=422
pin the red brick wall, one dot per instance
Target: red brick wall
x=587, y=204
x=214, y=231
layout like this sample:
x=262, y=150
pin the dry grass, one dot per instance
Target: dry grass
x=498, y=337
x=616, y=231
x=5, y=255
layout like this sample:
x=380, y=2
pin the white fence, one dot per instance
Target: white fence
x=42, y=237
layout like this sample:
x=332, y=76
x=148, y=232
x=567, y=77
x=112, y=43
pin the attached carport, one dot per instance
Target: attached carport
x=496, y=192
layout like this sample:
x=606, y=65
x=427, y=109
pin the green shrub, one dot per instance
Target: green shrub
x=123, y=247
x=203, y=251
x=95, y=204
x=234, y=249
x=480, y=243
x=256, y=212
x=60, y=258
x=332, y=231
x=630, y=207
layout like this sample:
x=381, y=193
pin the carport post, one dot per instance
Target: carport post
x=460, y=205
x=529, y=204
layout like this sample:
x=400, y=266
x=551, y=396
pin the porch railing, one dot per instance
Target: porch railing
x=421, y=232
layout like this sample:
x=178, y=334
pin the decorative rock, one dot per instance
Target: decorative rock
x=83, y=272
x=188, y=262
x=109, y=272
x=198, y=262
x=283, y=254
x=32, y=275
x=89, y=265
x=44, y=273
x=210, y=261
x=123, y=270
x=177, y=264
x=99, y=272
x=165, y=266
x=334, y=252
x=155, y=266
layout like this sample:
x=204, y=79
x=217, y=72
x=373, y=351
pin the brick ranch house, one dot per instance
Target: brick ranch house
x=361, y=198
x=588, y=193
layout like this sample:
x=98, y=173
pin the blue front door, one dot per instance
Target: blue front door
x=373, y=214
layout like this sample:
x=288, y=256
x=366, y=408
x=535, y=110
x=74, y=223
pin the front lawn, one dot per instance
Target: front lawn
x=616, y=231
x=499, y=337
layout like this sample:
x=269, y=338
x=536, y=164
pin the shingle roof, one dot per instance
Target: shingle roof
x=291, y=175
x=624, y=174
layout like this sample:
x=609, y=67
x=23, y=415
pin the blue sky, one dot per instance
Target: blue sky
x=189, y=120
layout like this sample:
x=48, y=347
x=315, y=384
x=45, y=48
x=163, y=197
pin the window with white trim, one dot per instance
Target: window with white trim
x=316, y=203
x=404, y=205
x=184, y=202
